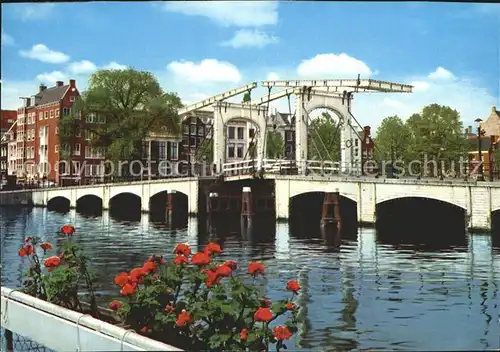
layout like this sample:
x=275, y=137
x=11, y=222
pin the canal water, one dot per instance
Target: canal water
x=365, y=294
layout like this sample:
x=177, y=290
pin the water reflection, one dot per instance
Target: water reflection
x=363, y=292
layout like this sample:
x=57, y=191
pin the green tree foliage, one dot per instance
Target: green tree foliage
x=131, y=103
x=275, y=145
x=324, y=138
x=247, y=97
x=438, y=133
x=393, y=139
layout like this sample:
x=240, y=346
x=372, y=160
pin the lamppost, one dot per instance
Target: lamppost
x=480, y=157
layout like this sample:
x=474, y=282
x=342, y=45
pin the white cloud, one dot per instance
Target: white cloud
x=7, y=39
x=50, y=78
x=250, y=38
x=333, y=66
x=34, y=11
x=441, y=74
x=272, y=76
x=207, y=71
x=113, y=65
x=229, y=13
x=82, y=67
x=42, y=53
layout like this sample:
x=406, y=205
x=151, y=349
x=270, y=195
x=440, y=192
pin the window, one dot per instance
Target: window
x=91, y=118
x=241, y=132
x=57, y=112
x=52, y=114
x=230, y=150
x=76, y=168
x=78, y=131
x=62, y=168
x=239, y=151
x=201, y=131
x=193, y=129
x=185, y=129
x=57, y=130
x=66, y=111
x=56, y=148
x=230, y=133
x=72, y=98
x=77, y=149
x=356, y=142
x=251, y=133
x=289, y=136
x=174, y=150
x=46, y=115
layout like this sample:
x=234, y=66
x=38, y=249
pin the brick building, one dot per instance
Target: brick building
x=490, y=144
x=7, y=120
x=37, y=154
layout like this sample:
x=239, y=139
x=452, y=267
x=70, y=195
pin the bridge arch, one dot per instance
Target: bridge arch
x=423, y=220
x=495, y=224
x=89, y=204
x=59, y=204
x=126, y=206
x=169, y=206
x=305, y=211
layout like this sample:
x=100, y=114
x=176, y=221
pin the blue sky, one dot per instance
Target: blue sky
x=449, y=52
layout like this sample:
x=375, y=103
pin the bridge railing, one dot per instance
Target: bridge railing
x=61, y=329
x=243, y=167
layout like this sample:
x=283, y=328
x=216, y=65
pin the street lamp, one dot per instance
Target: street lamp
x=480, y=158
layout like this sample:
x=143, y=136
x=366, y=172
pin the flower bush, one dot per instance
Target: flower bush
x=193, y=300
x=196, y=302
x=59, y=278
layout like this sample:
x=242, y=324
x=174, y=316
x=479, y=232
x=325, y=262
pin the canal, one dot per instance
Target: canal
x=368, y=293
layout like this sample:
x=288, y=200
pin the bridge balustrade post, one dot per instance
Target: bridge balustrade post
x=246, y=209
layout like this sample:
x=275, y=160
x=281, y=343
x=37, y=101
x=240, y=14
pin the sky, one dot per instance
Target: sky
x=449, y=52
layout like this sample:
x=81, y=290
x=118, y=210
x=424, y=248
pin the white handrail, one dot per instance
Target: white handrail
x=61, y=329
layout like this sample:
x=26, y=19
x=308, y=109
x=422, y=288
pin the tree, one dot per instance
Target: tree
x=438, y=134
x=393, y=138
x=129, y=104
x=274, y=145
x=247, y=97
x=324, y=138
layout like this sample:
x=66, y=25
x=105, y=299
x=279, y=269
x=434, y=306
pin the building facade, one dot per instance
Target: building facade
x=35, y=152
x=490, y=145
x=7, y=120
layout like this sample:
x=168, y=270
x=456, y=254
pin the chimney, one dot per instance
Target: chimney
x=42, y=87
x=72, y=83
x=494, y=109
x=367, y=130
x=59, y=83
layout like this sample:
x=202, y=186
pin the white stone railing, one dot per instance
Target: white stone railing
x=61, y=329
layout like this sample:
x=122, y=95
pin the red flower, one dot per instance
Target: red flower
x=61, y=255
x=144, y=330
x=45, y=246
x=52, y=262
x=263, y=314
x=265, y=302
x=149, y=267
x=231, y=263
x=183, y=319
x=181, y=259
x=26, y=250
x=115, y=305
x=183, y=248
x=293, y=285
x=28, y=239
x=136, y=275
x=121, y=279
x=255, y=268
x=169, y=308
x=200, y=258
x=127, y=290
x=223, y=270
x=281, y=333
x=156, y=259
x=67, y=230
x=290, y=306
x=213, y=248
x=212, y=278
x=244, y=334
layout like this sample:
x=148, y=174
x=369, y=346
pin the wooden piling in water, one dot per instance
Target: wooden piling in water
x=330, y=215
x=246, y=208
